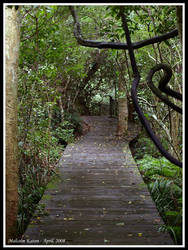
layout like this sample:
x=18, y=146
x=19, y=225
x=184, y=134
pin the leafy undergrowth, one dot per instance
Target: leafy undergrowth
x=39, y=155
x=164, y=181
x=35, y=173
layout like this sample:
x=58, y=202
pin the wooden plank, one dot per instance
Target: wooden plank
x=100, y=198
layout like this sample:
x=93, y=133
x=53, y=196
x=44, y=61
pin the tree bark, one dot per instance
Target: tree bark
x=175, y=125
x=179, y=21
x=12, y=39
x=122, y=108
x=61, y=110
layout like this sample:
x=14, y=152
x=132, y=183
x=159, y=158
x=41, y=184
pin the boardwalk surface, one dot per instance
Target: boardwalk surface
x=100, y=197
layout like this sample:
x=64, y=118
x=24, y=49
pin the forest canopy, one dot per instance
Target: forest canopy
x=69, y=77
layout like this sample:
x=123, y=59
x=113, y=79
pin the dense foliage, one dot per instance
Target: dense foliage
x=165, y=184
x=60, y=80
x=164, y=181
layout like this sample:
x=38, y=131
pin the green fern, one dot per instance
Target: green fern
x=165, y=184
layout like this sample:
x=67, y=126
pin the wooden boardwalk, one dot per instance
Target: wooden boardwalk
x=99, y=197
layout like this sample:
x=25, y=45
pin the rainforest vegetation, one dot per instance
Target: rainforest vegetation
x=59, y=80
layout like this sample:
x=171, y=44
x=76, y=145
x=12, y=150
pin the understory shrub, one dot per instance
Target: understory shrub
x=35, y=171
x=39, y=153
x=164, y=181
x=143, y=145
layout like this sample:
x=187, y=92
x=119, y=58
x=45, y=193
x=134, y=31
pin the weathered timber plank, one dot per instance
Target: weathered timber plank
x=80, y=232
x=100, y=197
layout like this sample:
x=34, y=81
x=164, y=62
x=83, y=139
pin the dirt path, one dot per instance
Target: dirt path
x=100, y=197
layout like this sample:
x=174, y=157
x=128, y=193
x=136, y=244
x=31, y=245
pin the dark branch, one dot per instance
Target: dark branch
x=164, y=81
x=139, y=111
x=115, y=45
x=162, y=86
x=131, y=46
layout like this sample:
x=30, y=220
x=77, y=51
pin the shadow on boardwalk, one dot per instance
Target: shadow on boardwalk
x=99, y=197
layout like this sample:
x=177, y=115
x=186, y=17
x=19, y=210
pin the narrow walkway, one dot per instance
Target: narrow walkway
x=100, y=197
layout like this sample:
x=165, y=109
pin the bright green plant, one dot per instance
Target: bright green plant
x=30, y=194
x=165, y=184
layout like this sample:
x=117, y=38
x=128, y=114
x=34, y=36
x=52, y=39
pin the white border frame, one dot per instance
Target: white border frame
x=4, y=118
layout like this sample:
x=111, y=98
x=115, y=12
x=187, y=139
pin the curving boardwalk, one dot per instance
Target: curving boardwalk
x=100, y=197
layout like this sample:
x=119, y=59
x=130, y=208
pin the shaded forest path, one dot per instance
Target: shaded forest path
x=99, y=197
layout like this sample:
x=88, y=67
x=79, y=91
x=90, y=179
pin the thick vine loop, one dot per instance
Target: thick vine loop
x=163, y=86
x=135, y=83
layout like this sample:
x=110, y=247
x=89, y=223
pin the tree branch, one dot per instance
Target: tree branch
x=162, y=86
x=130, y=46
x=115, y=45
x=135, y=83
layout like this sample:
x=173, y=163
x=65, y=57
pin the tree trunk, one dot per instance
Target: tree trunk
x=179, y=21
x=122, y=116
x=61, y=109
x=122, y=109
x=11, y=64
x=175, y=126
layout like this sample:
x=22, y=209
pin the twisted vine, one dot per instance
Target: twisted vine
x=115, y=45
x=135, y=83
x=162, y=84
